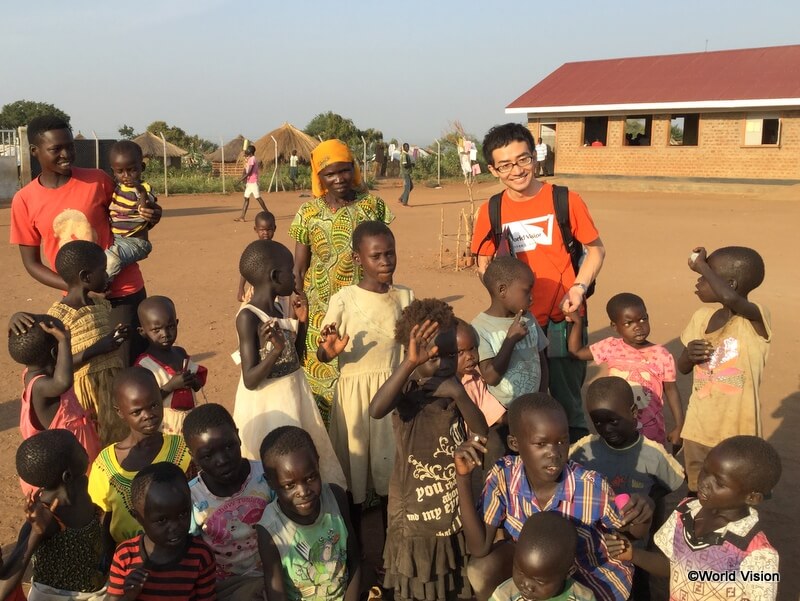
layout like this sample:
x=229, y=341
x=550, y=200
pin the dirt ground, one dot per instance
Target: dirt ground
x=648, y=237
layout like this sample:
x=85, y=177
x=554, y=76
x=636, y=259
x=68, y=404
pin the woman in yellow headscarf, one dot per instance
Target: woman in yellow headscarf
x=323, y=255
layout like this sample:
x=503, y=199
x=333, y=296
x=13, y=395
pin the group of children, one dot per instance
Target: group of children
x=142, y=493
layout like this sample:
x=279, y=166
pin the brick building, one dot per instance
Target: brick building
x=727, y=115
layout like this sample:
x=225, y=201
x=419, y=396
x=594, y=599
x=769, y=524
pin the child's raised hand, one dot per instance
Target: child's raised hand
x=55, y=328
x=40, y=516
x=699, y=351
x=151, y=212
x=697, y=258
x=418, y=340
x=637, y=510
x=134, y=582
x=300, y=306
x=573, y=316
x=20, y=323
x=270, y=331
x=517, y=330
x=469, y=454
x=331, y=342
x=618, y=546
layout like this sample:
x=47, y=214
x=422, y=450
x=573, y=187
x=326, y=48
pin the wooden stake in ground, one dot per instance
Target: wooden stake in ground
x=441, y=239
x=458, y=242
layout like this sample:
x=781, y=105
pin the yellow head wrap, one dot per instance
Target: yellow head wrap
x=327, y=153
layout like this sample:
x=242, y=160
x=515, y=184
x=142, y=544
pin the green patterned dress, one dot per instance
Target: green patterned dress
x=328, y=233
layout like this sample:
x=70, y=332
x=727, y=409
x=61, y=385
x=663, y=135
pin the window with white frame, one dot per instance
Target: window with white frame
x=762, y=130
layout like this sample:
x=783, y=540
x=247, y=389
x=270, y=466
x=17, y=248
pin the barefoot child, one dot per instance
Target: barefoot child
x=273, y=390
x=95, y=338
x=138, y=402
x=63, y=535
x=250, y=180
x=540, y=479
x=131, y=195
x=719, y=531
x=228, y=498
x=306, y=539
x=726, y=350
x=425, y=554
x=265, y=230
x=165, y=562
x=511, y=342
x=48, y=400
x=359, y=330
x=543, y=562
x=649, y=368
x=178, y=377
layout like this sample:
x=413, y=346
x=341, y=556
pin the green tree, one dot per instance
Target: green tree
x=332, y=125
x=180, y=138
x=126, y=132
x=14, y=114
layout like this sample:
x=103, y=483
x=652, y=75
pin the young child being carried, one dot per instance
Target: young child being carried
x=228, y=498
x=726, y=349
x=63, y=536
x=137, y=399
x=511, y=342
x=306, y=540
x=95, y=339
x=649, y=368
x=543, y=562
x=425, y=552
x=359, y=330
x=719, y=531
x=165, y=562
x=540, y=479
x=131, y=194
x=178, y=377
x=273, y=390
x=264, y=227
x=631, y=462
x=48, y=399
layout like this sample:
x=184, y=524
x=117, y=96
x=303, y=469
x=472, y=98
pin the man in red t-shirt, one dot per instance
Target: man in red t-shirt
x=68, y=203
x=535, y=238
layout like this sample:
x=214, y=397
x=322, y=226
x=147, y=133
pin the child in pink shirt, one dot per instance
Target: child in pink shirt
x=649, y=368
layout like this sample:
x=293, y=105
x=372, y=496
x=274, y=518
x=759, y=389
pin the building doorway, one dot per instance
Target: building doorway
x=547, y=131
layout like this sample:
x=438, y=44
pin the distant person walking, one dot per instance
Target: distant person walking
x=405, y=172
x=250, y=180
x=293, y=162
x=541, y=157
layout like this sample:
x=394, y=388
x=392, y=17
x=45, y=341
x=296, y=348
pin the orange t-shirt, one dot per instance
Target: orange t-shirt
x=78, y=210
x=536, y=240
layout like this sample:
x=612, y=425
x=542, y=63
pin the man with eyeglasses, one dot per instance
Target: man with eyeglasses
x=528, y=216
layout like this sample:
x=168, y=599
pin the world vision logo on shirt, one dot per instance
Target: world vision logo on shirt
x=527, y=234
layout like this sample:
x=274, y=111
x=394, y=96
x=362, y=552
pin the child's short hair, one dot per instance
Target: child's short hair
x=251, y=149
x=204, y=417
x=155, y=300
x=549, y=534
x=127, y=148
x=77, y=256
x=366, y=229
x=503, y=270
x=265, y=216
x=503, y=135
x=529, y=403
x=32, y=347
x=418, y=312
x=762, y=462
x=43, y=458
x=133, y=375
x=161, y=472
x=284, y=440
x=610, y=387
x=619, y=302
x=742, y=263
x=40, y=125
x=259, y=258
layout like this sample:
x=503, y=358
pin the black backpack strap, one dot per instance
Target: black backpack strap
x=561, y=206
x=495, y=222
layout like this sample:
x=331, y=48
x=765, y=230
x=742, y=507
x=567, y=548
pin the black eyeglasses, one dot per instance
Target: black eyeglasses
x=523, y=161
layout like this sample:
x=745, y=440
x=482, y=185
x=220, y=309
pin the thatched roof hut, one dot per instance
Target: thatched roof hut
x=288, y=138
x=153, y=148
x=232, y=151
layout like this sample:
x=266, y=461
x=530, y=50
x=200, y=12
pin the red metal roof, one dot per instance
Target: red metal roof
x=753, y=73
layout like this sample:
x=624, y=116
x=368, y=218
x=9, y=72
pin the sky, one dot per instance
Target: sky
x=408, y=68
